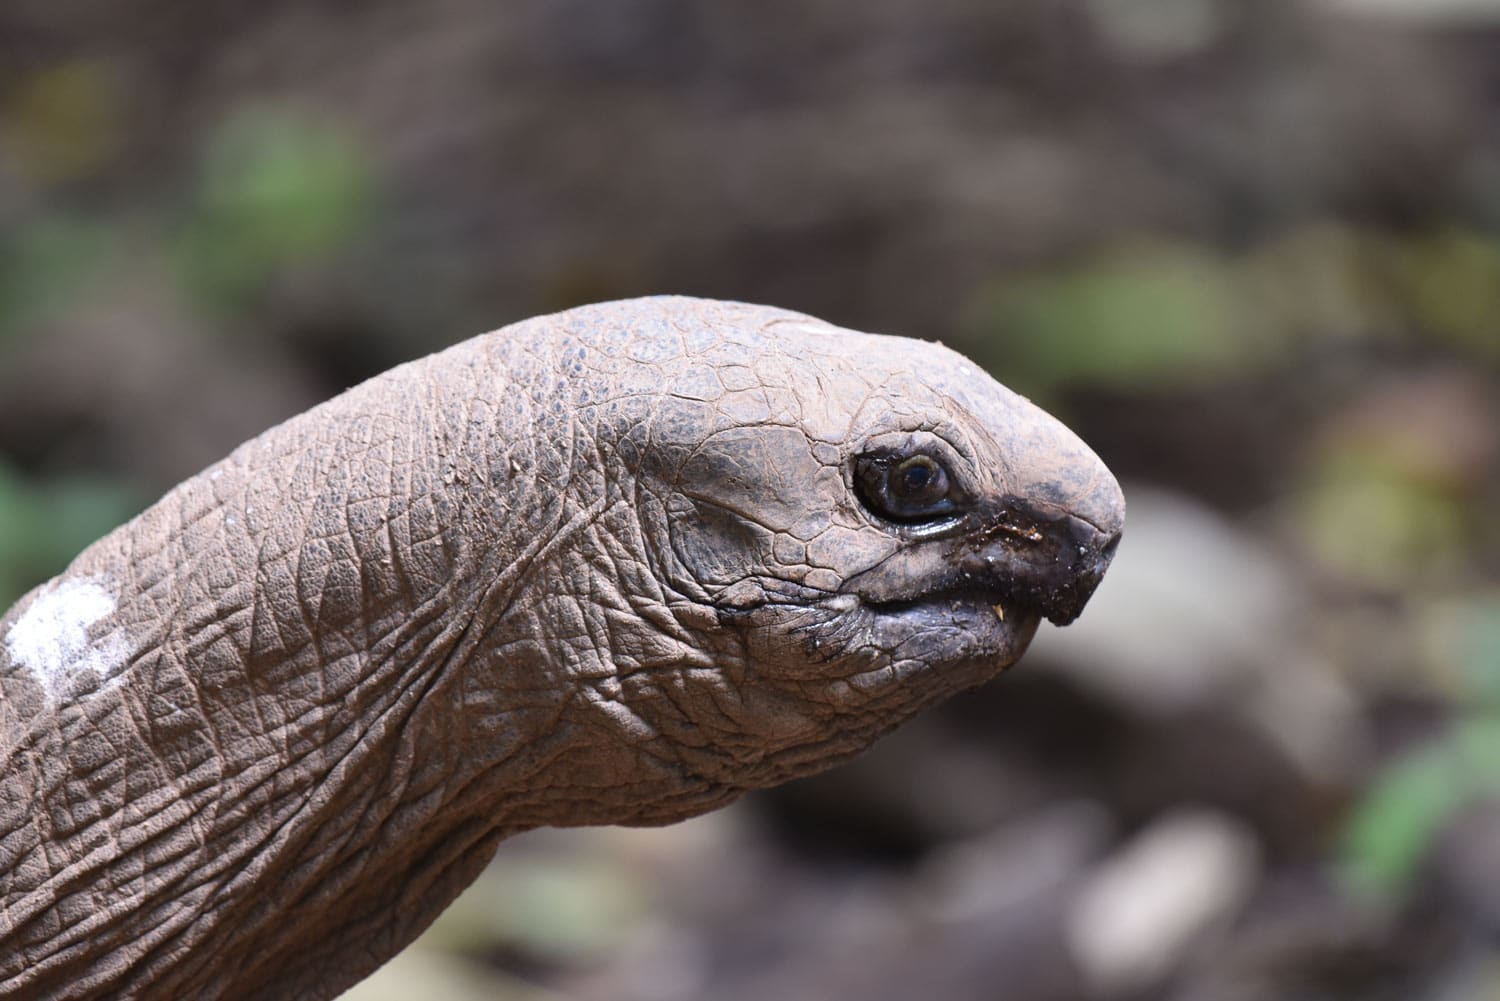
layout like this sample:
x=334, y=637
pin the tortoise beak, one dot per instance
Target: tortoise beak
x=1017, y=557
x=1049, y=563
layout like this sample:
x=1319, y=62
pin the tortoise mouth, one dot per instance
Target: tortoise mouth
x=994, y=625
x=1001, y=604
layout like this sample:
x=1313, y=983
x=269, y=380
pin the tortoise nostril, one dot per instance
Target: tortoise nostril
x=1107, y=552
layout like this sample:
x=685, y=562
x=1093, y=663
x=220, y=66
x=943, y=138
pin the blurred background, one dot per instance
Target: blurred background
x=1249, y=250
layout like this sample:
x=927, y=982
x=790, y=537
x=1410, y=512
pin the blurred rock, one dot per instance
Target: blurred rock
x=1158, y=29
x=1142, y=910
x=1435, y=11
x=1195, y=612
x=1012, y=865
x=1191, y=608
x=421, y=973
x=1301, y=939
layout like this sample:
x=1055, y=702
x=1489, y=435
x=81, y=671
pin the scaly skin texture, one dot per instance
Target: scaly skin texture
x=608, y=566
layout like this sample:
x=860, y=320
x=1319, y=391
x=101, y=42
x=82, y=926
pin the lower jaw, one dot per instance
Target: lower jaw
x=976, y=626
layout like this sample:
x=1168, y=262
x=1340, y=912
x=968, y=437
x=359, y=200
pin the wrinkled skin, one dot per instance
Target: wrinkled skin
x=609, y=566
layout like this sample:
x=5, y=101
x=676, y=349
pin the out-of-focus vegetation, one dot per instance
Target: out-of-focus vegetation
x=276, y=195
x=1163, y=314
x=44, y=525
x=1250, y=251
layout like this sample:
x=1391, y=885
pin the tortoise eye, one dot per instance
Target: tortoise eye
x=904, y=488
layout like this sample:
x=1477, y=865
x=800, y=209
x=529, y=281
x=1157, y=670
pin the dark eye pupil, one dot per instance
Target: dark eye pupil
x=914, y=476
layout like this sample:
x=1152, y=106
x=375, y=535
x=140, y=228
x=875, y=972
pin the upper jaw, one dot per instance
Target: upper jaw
x=1024, y=558
x=1051, y=562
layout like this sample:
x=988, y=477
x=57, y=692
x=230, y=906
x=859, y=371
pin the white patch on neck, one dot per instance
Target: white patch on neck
x=52, y=638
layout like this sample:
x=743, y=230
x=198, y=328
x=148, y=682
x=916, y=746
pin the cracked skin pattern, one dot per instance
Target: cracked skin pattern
x=608, y=566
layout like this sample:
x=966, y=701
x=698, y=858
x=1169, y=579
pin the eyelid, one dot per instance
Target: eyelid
x=947, y=447
x=937, y=439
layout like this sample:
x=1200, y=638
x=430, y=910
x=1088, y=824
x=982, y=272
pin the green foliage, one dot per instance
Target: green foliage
x=276, y=192
x=1378, y=521
x=43, y=265
x=1146, y=314
x=1152, y=314
x=44, y=525
x=1390, y=829
x=1389, y=833
x=1449, y=284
